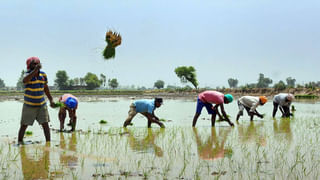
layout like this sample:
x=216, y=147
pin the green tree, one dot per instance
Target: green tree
x=291, y=82
x=233, y=83
x=159, y=84
x=187, y=74
x=71, y=82
x=263, y=82
x=280, y=86
x=20, y=85
x=113, y=83
x=92, y=81
x=103, y=79
x=61, y=80
x=2, y=84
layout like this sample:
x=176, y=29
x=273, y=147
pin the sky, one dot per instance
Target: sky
x=222, y=39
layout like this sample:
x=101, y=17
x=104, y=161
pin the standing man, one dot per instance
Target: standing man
x=206, y=99
x=70, y=104
x=250, y=103
x=34, y=107
x=145, y=107
x=283, y=101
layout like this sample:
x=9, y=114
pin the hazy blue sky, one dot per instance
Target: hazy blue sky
x=221, y=39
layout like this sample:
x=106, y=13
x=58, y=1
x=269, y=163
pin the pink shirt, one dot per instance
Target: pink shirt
x=66, y=96
x=213, y=97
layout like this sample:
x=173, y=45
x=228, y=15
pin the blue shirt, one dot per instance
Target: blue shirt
x=34, y=90
x=144, y=105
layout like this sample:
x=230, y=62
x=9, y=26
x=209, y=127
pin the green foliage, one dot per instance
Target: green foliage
x=280, y=86
x=59, y=104
x=61, y=80
x=2, y=84
x=113, y=83
x=92, y=81
x=263, y=82
x=291, y=82
x=109, y=52
x=159, y=84
x=103, y=121
x=20, y=85
x=187, y=74
x=306, y=96
x=29, y=133
x=233, y=83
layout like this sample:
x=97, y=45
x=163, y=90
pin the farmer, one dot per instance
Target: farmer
x=34, y=107
x=70, y=104
x=250, y=103
x=146, y=108
x=283, y=101
x=207, y=98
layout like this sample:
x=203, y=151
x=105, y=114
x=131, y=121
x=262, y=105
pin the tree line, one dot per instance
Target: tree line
x=186, y=74
x=89, y=81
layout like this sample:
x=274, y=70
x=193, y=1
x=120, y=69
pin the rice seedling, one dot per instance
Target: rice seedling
x=29, y=133
x=103, y=121
x=113, y=39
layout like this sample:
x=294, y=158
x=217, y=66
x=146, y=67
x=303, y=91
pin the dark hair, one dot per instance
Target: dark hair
x=159, y=100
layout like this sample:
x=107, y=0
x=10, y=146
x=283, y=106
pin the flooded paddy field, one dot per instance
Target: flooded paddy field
x=262, y=149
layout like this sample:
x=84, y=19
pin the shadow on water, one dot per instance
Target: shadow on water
x=282, y=130
x=70, y=144
x=252, y=133
x=147, y=143
x=213, y=147
x=35, y=162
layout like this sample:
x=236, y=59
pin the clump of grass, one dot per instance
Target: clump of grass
x=103, y=121
x=29, y=133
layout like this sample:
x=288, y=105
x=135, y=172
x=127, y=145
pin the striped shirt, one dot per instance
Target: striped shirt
x=34, y=90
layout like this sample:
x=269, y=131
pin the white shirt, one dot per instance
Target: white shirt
x=281, y=99
x=250, y=102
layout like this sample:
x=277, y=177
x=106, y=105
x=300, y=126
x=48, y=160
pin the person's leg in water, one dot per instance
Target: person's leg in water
x=132, y=112
x=213, y=118
x=286, y=111
x=199, y=107
x=73, y=119
x=62, y=116
x=22, y=130
x=46, y=131
x=275, y=108
x=241, y=108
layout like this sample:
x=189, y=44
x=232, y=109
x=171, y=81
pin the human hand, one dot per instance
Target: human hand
x=52, y=104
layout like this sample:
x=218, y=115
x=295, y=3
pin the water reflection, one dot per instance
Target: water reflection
x=35, y=161
x=252, y=133
x=146, y=144
x=282, y=129
x=69, y=159
x=213, y=148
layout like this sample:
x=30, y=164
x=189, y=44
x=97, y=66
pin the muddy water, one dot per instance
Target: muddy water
x=265, y=148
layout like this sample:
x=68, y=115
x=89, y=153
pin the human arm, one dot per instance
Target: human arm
x=223, y=112
x=33, y=73
x=47, y=92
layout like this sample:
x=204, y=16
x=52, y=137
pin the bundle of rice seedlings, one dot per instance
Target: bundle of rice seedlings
x=59, y=104
x=113, y=39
